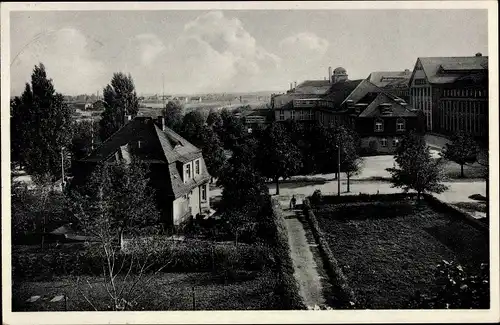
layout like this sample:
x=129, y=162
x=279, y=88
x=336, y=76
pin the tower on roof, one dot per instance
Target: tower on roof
x=339, y=75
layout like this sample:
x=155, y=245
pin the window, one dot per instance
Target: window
x=395, y=142
x=282, y=115
x=420, y=82
x=383, y=142
x=204, y=193
x=188, y=171
x=311, y=114
x=197, y=167
x=400, y=124
x=379, y=126
x=292, y=114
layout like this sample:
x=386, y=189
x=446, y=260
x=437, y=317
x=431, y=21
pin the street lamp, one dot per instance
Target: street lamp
x=62, y=168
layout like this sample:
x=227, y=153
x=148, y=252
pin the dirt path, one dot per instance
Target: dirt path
x=306, y=272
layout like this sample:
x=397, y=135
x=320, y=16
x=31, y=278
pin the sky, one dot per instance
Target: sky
x=188, y=52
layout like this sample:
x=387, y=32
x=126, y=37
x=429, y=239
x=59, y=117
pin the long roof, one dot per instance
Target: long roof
x=390, y=79
x=442, y=70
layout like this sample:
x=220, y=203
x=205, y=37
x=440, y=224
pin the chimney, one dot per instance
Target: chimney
x=479, y=54
x=291, y=86
x=161, y=122
x=330, y=74
x=295, y=84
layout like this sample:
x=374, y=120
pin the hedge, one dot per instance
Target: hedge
x=287, y=288
x=338, y=280
x=182, y=257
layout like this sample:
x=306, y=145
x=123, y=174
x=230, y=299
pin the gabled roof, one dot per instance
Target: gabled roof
x=363, y=88
x=390, y=79
x=442, y=70
x=339, y=91
x=397, y=110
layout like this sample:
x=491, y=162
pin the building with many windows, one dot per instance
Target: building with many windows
x=452, y=92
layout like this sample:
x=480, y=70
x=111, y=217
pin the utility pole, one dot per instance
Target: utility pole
x=163, y=90
x=92, y=134
x=338, y=169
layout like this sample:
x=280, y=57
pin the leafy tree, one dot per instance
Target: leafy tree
x=322, y=151
x=116, y=199
x=416, y=169
x=233, y=130
x=83, y=137
x=41, y=127
x=279, y=157
x=173, y=114
x=214, y=120
x=350, y=161
x=213, y=153
x=192, y=127
x=461, y=150
x=120, y=100
x=458, y=289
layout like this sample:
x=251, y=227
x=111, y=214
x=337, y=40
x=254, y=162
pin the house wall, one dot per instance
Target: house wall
x=180, y=209
x=294, y=114
x=374, y=144
x=194, y=201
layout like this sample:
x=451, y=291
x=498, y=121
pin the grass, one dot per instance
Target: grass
x=166, y=291
x=390, y=250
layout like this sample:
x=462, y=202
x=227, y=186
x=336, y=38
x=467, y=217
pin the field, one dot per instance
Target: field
x=166, y=291
x=390, y=250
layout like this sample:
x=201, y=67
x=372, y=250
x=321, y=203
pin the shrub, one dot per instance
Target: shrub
x=459, y=289
x=316, y=198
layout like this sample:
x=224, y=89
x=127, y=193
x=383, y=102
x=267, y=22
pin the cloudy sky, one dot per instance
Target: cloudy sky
x=231, y=51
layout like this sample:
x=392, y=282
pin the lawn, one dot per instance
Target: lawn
x=166, y=291
x=390, y=250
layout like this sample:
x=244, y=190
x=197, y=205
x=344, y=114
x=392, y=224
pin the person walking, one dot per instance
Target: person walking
x=293, y=201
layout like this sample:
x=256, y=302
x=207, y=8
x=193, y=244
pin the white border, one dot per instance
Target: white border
x=236, y=317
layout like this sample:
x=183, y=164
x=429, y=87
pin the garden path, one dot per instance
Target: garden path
x=306, y=273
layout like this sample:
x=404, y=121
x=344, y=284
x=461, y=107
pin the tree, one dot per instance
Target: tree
x=416, y=169
x=461, y=150
x=117, y=197
x=322, y=149
x=350, y=161
x=279, y=157
x=120, y=100
x=83, y=139
x=214, y=120
x=233, y=130
x=213, y=153
x=41, y=127
x=192, y=127
x=173, y=114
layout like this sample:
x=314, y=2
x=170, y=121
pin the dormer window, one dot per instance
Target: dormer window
x=400, y=125
x=379, y=125
x=197, y=167
x=188, y=171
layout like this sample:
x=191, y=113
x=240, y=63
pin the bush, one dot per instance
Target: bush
x=316, y=198
x=195, y=256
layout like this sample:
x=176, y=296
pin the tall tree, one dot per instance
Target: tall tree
x=214, y=120
x=416, y=169
x=173, y=113
x=279, y=157
x=461, y=150
x=192, y=127
x=84, y=139
x=233, y=130
x=213, y=153
x=120, y=100
x=350, y=161
x=41, y=127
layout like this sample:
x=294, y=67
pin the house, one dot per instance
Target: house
x=178, y=172
x=393, y=82
x=453, y=93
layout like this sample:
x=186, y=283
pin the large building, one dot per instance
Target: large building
x=177, y=168
x=379, y=116
x=394, y=82
x=453, y=93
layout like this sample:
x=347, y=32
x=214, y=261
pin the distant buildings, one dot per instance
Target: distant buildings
x=453, y=93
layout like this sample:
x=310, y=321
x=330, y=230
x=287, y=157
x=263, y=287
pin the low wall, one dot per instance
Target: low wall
x=345, y=295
